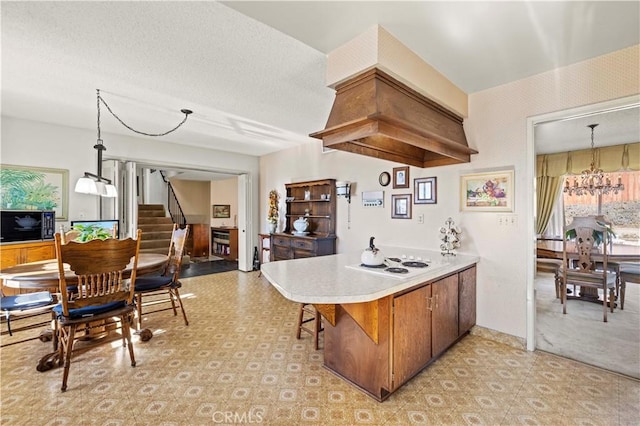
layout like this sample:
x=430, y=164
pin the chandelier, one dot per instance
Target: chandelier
x=592, y=180
x=96, y=184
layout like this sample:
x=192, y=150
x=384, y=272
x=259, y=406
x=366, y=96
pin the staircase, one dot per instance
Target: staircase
x=156, y=228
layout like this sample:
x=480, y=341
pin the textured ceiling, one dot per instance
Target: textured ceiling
x=253, y=72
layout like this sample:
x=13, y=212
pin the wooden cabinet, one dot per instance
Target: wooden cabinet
x=444, y=323
x=200, y=238
x=15, y=254
x=466, y=300
x=224, y=243
x=315, y=201
x=285, y=247
x=380, y=345
x=412, y=333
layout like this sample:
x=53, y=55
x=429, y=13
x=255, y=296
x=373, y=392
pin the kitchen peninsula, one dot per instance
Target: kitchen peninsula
x=382, y=329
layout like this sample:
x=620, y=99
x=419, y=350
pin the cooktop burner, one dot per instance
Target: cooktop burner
x=413, y=264
x=374, y=266
x=397, y=270
x=394, y=259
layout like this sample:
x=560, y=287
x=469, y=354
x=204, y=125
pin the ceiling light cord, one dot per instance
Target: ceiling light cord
x=186, y=113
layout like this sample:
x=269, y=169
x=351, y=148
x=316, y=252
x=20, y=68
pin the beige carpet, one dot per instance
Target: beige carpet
x=583, y=336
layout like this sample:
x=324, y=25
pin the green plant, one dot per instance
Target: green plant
x=91, y=232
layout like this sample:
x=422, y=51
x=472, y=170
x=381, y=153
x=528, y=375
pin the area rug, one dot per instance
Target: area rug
x=196, y=269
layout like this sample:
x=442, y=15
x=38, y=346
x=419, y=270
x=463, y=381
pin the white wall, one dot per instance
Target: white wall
x=496, y=127
x=39, y=144
x=224, y=192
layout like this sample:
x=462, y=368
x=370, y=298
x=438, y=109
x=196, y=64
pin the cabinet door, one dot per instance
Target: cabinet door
x=411, y=334
x=43, y=252
x=10, y=256
x=467, y=300
x=445, y=313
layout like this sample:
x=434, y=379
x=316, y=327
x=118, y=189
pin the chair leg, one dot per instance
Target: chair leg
x=173, y=303
x=563, y=292
x=176, y=293
x=126, y=331
x=557, y=282
x=623, y=290
x=612, y=299
x=300, y=316
x=317, y=329
x=139, y=309
x=68, y=349
x=604, y=304
x=8, y=317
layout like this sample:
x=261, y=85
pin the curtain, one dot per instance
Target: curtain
x=609, y=158
x=547, y=189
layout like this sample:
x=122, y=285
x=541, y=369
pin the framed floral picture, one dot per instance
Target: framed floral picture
x=34, y=188
x=487, y=192
x=401, y=206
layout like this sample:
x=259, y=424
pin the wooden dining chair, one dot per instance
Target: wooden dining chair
x=580, y=258
x=100, y=293
x=151, y=291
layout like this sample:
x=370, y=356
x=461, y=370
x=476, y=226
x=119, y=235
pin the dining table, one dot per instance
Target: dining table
x=44, y=275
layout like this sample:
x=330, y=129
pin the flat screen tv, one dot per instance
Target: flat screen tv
x=107, y=225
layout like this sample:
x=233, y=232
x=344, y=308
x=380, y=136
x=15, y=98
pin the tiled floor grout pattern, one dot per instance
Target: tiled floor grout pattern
x=238, y=362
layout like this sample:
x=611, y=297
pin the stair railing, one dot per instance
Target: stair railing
x=173, y=205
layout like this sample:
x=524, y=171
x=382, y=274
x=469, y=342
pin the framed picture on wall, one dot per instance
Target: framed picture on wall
x=487, y=192
x=425, y=190
x=401, y=206
x=34, y=188
x=401, y=177
x=221, y=211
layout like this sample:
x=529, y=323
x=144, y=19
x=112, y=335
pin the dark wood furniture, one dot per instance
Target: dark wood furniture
x=224, y=243
x=378, y=346
x=584, y=271
x=200, y=240
x=315, y=201
x=265, y=245
x=97, y=293
x=165, y=288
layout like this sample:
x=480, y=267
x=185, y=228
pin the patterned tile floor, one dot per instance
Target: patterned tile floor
x=238, y=362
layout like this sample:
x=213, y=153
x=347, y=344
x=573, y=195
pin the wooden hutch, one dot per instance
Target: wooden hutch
x=315, y=201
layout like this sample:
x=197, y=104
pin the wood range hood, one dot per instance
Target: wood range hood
x=376, y=115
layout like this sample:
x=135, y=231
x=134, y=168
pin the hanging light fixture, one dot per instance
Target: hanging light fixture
x=96, y=184
x=592, y=180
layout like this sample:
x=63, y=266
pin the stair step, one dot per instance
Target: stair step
x=156, y=235
x=150, y=207
x=154, y=220
x=149, y=244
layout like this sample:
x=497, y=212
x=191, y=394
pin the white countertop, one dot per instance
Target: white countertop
x=333, y=280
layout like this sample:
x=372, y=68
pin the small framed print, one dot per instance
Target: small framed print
x=221, y=211
x=401, y=177
x=401, y=206
x=425, y=190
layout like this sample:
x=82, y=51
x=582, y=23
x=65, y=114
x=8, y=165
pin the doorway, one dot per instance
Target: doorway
x=579, y=335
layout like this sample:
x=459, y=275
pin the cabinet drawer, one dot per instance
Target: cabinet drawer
x=281, y=253
x=304, y=244
x=299, y=253
x=280, y=241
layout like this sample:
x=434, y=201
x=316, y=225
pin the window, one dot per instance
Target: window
x=622, y=209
